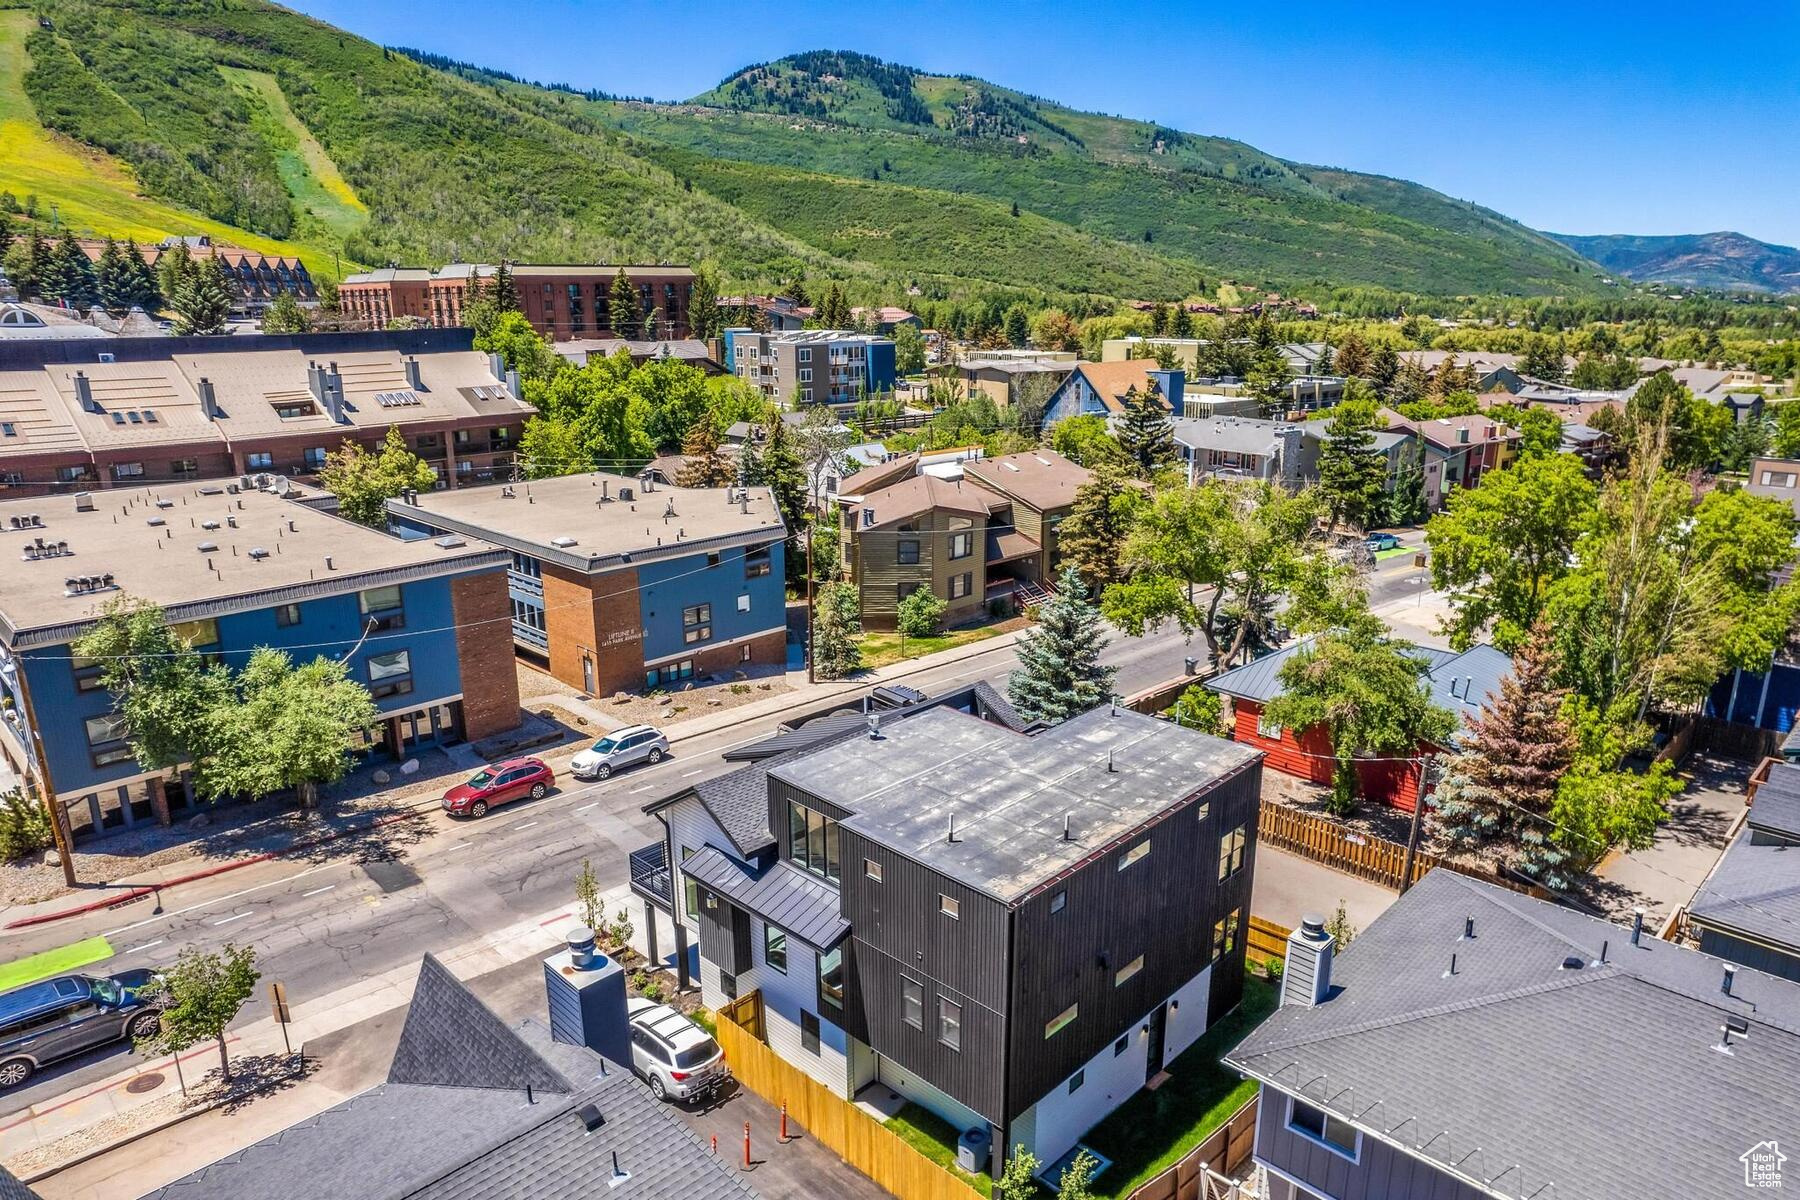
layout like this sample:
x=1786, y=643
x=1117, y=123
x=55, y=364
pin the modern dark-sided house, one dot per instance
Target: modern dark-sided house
x=1015, y=931
x=1474, y=1042
x=474, y=1107
x=1748, y=909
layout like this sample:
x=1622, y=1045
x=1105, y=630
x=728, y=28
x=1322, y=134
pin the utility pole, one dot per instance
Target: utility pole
x=1412, y=837
x=811, y=674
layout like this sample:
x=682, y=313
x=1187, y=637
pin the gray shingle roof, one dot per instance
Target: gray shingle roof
x=1530, y=1079
x=12, y=1189
x=451, y=1039
x=1754, y=889
x=783, y=895
x=1776, y=810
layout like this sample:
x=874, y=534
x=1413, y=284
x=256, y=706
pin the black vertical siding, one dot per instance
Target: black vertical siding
x=724, y=932
x=898, y=931
x=1162, y=907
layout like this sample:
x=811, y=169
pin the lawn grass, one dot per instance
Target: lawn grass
x=34, y=967
x=880, y=648
x=934, y=1137
x=1152, y=1130
x=92, y=190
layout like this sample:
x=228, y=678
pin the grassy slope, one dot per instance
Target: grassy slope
x=92, y=191
x=312, y=179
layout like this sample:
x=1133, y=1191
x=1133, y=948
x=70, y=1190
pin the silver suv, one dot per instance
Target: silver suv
x=622, y=748
x=678, y=1058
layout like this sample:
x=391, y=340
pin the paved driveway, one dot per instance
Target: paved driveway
x=1667, y=874
x=801, y=1167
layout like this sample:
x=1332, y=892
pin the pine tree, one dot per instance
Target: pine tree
x=703, y=307
x=284, y=315
x=625, y=313
x=26, y=262
x=1092, y=537
x=173, y=270
x=502, y=290
x=1352, y=472
x=1504, y=779
x=706, y=466
x=783, y=472
x=144, y=292
x=1060, y=674
x=653, y=324
x=1384, y=364
x=1146, y=434
x=6, y=232
x=202, y=302
x=113, y=281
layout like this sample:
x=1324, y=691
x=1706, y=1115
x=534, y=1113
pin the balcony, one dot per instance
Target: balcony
x=650, y=874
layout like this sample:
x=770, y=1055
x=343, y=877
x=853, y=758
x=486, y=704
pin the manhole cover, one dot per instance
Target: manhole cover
x=147, y=1082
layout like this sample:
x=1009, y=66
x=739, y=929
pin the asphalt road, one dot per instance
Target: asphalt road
x=360, y=907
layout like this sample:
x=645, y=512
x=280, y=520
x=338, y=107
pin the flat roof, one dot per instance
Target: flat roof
x=604, y=529
x=1009, y=793
x=150, y=541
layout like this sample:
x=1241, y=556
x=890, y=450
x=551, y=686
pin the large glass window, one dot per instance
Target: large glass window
x=382, y=608
x=696, y=623
x=87, y=673
x=1231, y=853
x=813, y=841
x=106, y=739
x=912, y=1002
x=204, y=632
x=1322, y=1127
x=950, y=1023
x=831, y=980
x=390, y=674
x=962, y=545
x=1225, y=933
x=690, y=888
x=908, y=553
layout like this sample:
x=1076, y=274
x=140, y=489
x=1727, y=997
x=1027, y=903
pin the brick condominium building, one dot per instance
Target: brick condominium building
x=561, y=300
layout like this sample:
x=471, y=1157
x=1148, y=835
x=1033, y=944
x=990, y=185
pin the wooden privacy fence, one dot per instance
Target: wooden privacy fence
x=1267, y=939
x=1196, y=1175
x=852, y=1134
x=1375, y=859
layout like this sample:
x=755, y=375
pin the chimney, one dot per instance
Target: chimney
x=332, y=384
x=209, y=401
x=84, y=392
x=512, y=385
x=1307, y=980
x=586, y=995
x=497, y=366
x=412, y=373
x=315, y=382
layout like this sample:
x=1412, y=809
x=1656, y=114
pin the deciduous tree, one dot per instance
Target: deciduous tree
x=288, y=727
x=837, y=624
x=201, y=994
x=363, y=483
x=706, y=466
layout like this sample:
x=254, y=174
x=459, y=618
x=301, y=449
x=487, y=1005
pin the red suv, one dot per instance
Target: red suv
x=495, y=785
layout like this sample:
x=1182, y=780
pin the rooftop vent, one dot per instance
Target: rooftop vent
x=564, y=541
x=448, y=542
x=84, y=502
x=165, y=504
x=209, y=524
x=506, y=492
x=80, y=585
x=155, y=521
x=591, y=1117
x=1574, y=963
x=258, y=553
x=207, y=547
x=626, y=493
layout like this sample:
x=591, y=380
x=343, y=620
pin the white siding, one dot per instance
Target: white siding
x=691, y=827
x=1108, y=1080
x=1187, y=1019
x=785, y=997
x=960, y=1115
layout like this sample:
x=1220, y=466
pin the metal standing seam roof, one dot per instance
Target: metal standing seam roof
x=1526, y=1077
x=783, y=895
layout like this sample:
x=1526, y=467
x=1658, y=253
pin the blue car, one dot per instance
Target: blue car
x=1382, y=541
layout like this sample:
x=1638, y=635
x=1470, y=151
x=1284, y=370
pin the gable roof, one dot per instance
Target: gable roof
x=1112, y=380
x=1524, y=1077
x=1042, y=479
x=451, y=1039
x=874, y=478
x=919, y=494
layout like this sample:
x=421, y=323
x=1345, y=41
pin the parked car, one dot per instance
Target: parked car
x=55, y=1018
x=495, y=785
x=1383, y=541
x=676, y=1057
x=632, y=744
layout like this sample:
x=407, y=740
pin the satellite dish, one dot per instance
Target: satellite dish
x=282, y=486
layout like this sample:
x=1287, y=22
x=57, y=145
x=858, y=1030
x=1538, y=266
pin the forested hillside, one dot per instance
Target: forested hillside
x=1726, y=261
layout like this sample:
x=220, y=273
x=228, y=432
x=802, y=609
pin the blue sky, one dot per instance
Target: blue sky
x=1575, y=117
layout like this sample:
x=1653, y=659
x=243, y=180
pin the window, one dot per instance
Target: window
x=712, y=559
x=950, y=906
x=1128, y=970
x=805, y=374
x=184, y=468
x=1059, y=901
x=696, y=623
x=381, y=608
x=1783, y=479
x=1203, y=811
x=1335, y=1135
x=8, y=429
x=756, y=563
x=1132, y=855
x=1122, y=1045
x=728, y=984
x=130, y=470
x=288, y=410
x=1267, y=728
x=906, y=552
x=313, y=457
x=1225, y=934
x=390, y=674
x=87, y=674
x=70, y=474
x=804, y=354
x=809, y=1031
x=262, y=460
x=287, y=615
x=1076, y=1080
x=950, y=1023
x=691, y=888
x=831, y=979
x=962, y=545
x=775, y=947
x=960, y=585
x=813, y=841
x=1061, y=1021
x=912, y=1002
x=106, y=739
x=204, y=632
x=872, y=870
x=1231, y=853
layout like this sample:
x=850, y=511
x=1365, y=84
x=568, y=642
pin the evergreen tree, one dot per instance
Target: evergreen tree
x=284, y=315
x=113, y=279
x=1060, y=674
x=1406, y=506
x=1146, y=434
x=202, y=301
x=174, y=269
x=625, y=313
x=1352, y=472
x=653, y=324
x=781, y=470
x=26, y=262
x=1411, y=382
x=706, y=466
x=70, y=279
x=1092, y=538
x=703, y=307
x=502, y=290
x=6, y=232
x=1018, y=325
x=1384, y=364
x=1181, y=325
x=1504, y=779
x=836, y=626
x=145, y=293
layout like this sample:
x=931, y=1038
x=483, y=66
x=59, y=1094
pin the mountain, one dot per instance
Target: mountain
x=258, y=125
x=1727, y=261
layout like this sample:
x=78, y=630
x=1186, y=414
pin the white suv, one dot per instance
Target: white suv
x=677, y=1057
x=632, y=744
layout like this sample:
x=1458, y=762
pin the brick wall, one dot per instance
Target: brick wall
x=484, y=650
x=595, y=618
x=764, y=648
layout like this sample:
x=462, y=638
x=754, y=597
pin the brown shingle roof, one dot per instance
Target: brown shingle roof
x=1041, y=479
x=921, y=494
x=873, y=479
x=1111, y=381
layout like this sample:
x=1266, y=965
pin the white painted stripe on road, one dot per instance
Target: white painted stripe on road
x=285, y=879
x=636, y=790
x=455, y=848
x=691, y=774
x=525, y=825
x=585, y=807
x=146, y=945
x=229, y=920
x=319, y=891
